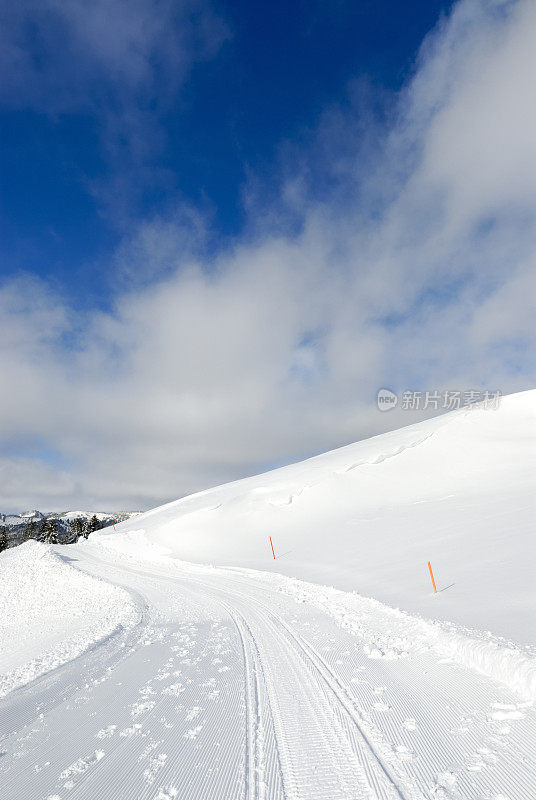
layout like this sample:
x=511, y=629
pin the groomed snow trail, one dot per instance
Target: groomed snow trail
x=233, y=688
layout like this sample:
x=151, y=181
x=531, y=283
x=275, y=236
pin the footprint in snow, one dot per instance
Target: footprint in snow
x=504, y=730
x=167, y=793
x=404, y=753
x=505, y=711
x=174, y=689
x=105, y=733
x=446, y=780
x=476, y=764
x=150, y=748
x=79, y=767
x=376, y=653
x=140, y=708
x=132, y=731
x=193, y=733
x=381, y=707
x=410, y=724
x=155, y=765
x=487, y=755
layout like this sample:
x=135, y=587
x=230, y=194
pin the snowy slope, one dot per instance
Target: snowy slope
x=51, y=613
x=240, y=685
x=459, y=490
x=244, y=683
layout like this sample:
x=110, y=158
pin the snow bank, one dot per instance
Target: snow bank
x=390, y=633
x=502, y=661
x=51, y=612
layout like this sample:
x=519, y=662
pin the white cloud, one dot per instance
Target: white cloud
x=275, y=348
x=479, y=148
x=60, y=57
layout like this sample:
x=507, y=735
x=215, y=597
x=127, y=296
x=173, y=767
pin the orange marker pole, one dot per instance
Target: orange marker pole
x=113, y=523
x=272, y=547
x=432, y=576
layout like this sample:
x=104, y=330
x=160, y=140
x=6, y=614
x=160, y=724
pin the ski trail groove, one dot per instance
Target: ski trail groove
x=254, y=767
x=352, y=765
x=231, y=690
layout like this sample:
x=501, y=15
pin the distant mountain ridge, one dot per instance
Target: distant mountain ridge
x=15, y=524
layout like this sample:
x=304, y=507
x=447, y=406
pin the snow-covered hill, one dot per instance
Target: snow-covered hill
x=458, y=490
x=170, y=679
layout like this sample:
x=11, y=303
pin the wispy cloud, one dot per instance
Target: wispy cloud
x=121, y=64
x=414, y=267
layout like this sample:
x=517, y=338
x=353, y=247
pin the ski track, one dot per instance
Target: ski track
x=228, y=689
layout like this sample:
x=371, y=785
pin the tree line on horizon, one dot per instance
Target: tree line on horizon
x=49, y=531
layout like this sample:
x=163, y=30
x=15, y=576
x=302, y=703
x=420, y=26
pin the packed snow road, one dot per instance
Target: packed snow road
x=238, y=685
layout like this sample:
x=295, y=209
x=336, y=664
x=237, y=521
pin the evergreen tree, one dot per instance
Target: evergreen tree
x=42, y=531
x=30, y=530
x=94, y=524
x=3, y=539
x=77, y=530
x=86, y=530
x=48, y=531
x=54, y=536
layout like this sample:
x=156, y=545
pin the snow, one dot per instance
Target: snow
x=12, y=519
x=71, y=515
x=51, y=613
x=332, y=671
x=458, y=490
x=240, y=683
x=102, y=516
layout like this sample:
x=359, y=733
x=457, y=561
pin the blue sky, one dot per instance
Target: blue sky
x=226, y=226
x=274, y=69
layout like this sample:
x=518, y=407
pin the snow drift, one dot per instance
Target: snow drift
x=51, y=612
